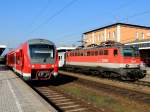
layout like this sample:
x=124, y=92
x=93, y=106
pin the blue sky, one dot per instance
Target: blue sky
x=21, y=20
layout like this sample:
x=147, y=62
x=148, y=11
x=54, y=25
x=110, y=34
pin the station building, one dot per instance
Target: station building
x=2, y=48
x=128, y=34
x=2, y=58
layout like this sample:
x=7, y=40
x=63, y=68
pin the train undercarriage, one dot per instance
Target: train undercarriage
x=125, y=74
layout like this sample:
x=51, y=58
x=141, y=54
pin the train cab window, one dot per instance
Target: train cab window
x=105, y=52
x=115, y=52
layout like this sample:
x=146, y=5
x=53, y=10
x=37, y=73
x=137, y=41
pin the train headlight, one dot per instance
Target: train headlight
x=127, y=66
x=52, y=66
x=32, y=66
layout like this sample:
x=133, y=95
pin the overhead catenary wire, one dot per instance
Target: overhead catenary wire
x=136, y=15
x=54, y=15
x=43, y=9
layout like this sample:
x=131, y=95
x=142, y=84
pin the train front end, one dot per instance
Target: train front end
x=43, y=59
x=132, y=66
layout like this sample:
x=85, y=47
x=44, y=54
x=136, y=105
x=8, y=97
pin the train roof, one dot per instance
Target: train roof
x=35, y=41
x=104, y=47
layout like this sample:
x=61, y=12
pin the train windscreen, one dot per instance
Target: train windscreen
x=130, y=52
x=43, y=54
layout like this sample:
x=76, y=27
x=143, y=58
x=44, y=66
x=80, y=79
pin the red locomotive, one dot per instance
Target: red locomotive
x=110, y=60
x=36, y=59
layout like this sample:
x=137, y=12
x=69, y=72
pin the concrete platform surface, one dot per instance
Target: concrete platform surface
x=17, y=96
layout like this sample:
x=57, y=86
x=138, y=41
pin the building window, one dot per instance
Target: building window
x=114, y=36
x=109, y=36
x=93, y=40
x=136, y=35
x=142, y=34
x=103, y=36
x=99, y=37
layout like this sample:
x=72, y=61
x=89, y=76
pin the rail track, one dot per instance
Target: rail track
x=113, y=88
x=63, y=102
x=139, y=82
x=142, y=83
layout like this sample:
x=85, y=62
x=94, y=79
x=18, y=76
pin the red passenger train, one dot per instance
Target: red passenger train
x=110, y=60
x=36, y=59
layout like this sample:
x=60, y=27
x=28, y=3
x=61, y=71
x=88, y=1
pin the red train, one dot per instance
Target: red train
x=110, y=60
x=36, y=59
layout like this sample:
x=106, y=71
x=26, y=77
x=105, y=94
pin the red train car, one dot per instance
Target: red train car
x=112, y=60
x=36, y=59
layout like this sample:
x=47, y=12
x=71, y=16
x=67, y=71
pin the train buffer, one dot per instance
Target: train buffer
x=17, y=96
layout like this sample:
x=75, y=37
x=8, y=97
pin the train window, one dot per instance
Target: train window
x=96, y=53
x=75, y=53
x=115, y=52
x=72, y=53
x=59, y=57
x=85, y=53
x=88, y=53
x=105, y=52
x=92, y=53
x=82, y=53
x=79, y=53
x=100, y=52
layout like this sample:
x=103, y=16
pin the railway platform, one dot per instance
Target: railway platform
x=17, y=96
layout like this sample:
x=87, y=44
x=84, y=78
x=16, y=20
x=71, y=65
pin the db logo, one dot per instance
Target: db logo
x=43, y=66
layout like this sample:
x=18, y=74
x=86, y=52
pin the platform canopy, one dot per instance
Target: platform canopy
x=2, y=48
x=65, y=48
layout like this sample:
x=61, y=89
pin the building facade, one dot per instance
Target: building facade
x=119, y=32
x=131, y=35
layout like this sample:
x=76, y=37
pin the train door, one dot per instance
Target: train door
x=15, y=61
x=115, y=56
x=21, y=61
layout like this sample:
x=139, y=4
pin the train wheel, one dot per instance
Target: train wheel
x=123, y=78
x=106, y=74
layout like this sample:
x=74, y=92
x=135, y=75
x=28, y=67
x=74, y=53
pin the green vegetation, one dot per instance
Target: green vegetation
x=99, y=100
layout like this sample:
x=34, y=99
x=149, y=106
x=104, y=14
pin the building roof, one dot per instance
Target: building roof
x=124, y=24
x=138, y=42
